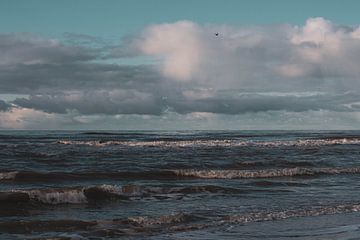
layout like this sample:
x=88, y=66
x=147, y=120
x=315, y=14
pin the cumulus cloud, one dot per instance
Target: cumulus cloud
x=244, y=73
x=179, y=43
x=252, y=56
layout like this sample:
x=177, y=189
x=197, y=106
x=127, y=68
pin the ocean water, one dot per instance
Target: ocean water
x=180, y=185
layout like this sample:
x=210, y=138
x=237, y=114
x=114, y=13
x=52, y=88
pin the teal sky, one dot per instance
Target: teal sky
x=114, y=18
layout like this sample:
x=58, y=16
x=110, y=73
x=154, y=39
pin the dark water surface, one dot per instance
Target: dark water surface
x=180, y=185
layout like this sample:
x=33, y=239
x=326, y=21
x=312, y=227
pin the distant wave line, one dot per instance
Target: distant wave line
x=215, y=143
x=28, y=176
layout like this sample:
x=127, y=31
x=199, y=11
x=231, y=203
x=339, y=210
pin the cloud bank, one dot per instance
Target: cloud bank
x=194, y=76
x=319, y=51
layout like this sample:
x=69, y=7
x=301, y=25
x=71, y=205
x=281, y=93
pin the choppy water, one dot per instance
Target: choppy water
x=180, y=185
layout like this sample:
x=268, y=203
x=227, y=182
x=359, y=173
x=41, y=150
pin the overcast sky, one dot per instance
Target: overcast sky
x=161, y=65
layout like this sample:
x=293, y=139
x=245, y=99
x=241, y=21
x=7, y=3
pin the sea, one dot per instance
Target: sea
x=180, y=185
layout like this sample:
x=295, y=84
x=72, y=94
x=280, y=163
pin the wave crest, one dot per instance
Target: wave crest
x=265, y=173
x=79, y=195
x=312, y=212
x=172, y=174
x=169, y=223
x=216, y=143
x=8, y=175
x=54, y=196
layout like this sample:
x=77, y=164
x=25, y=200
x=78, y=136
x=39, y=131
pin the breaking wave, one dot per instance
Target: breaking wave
x=271, y=216
x=188, y=222
x=79, y=195
x=28, y=177
x=161, y=220
x=265, y=173
x=58, y=196
x=8, y=175
x=168, y=223
x=216, y=143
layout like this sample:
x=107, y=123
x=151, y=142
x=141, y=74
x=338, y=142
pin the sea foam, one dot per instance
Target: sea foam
x=216, y=143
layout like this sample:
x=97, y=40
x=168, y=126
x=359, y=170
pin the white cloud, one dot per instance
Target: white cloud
x=316, y=30
x=252, y=56
x=179, y=43
x=24, y=118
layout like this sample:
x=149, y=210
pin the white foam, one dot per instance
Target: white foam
x=219, y=143
x=151, y=143
x=76, y=195
x=110, y=189
x=270, y=216
x=8, y=175
x=264, y=173
x=54, y=196
x=165, y=219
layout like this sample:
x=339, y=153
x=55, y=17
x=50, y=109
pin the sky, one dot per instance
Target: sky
x=158, y=65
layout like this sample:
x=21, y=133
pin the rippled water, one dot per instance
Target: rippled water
x=180, y=185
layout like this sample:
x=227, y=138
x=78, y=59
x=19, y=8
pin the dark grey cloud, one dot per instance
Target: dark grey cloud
x=25, y=79
x=135, y=102
x=4, y=106
x=95, y=102
x=29, y=64
x=29, y=49
x=253, y=102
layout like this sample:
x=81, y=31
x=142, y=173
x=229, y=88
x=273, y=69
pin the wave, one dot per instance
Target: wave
x=161, y=220
x=32, y=176
x=244, y=218
x=157, y=143
x=29, y=177
x=267, y=183
x=27, y=227
x=80, y=195
x=76, y=195
x=180, y=222
x=217, y=143
x=275, y=162
x=144, y=225
x=271, y=216
x=53, y=196
x=189, y=222
x=100, y=133
x=8, y=175
x=264, y=173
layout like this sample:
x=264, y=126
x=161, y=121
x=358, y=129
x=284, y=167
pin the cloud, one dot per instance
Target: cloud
x=30, y=64
x=22, y=118
x=247, y=74
x=28, y=49
x=40, y=78
x=4, y=106
x=109, y=102
x=179, y=43
x=318, y=54
x=240, y=103
x=112, y=102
